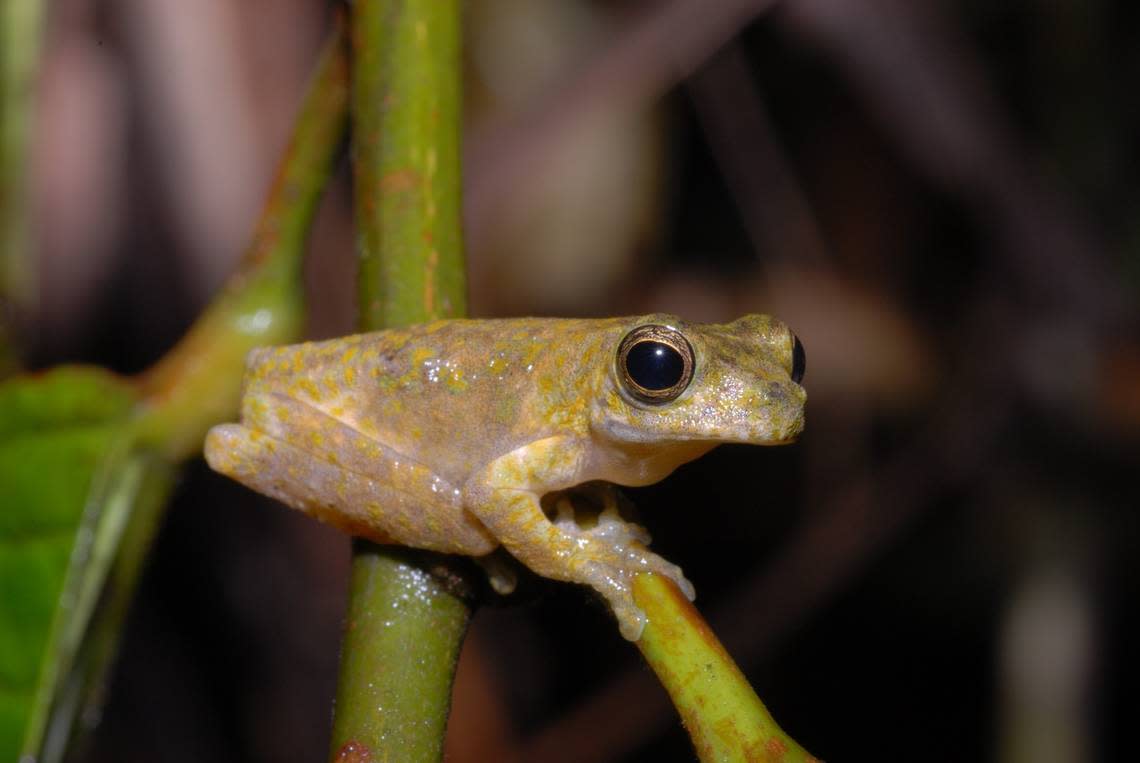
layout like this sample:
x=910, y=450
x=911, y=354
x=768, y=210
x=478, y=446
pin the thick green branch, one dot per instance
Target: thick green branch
x=406, y=133
x=405, y=626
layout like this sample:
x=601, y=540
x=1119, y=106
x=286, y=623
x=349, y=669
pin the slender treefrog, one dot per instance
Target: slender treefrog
x=445, y=436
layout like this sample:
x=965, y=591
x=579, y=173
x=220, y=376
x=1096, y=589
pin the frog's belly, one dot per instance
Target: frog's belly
x=312, y=462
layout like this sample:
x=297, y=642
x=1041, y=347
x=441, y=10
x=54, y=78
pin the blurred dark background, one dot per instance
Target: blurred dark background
x=942, y=199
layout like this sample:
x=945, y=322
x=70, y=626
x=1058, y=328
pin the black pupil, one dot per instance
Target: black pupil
x=654, y=365
x=799, y=361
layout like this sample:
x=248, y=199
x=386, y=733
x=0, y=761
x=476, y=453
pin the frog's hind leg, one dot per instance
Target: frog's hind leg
x=319, y=465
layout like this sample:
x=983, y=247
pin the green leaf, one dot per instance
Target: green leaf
x=128, y=491
x=57, y=432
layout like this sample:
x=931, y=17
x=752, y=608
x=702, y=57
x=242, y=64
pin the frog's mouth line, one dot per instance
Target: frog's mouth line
x=625, y=433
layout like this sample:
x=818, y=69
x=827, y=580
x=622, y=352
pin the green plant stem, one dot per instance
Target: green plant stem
x=21, y=32
x=406, y=137
x=404, y=625
x=402, y=636
x=198, y=383
x=724, y=717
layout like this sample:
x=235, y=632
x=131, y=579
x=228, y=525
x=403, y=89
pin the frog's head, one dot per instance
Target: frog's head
x=688, y=384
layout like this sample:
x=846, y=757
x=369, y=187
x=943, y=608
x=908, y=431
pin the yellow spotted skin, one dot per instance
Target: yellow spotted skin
x=446, y=436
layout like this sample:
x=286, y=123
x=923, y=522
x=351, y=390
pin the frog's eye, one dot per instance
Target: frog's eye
x=799, y=360
x=655, y=363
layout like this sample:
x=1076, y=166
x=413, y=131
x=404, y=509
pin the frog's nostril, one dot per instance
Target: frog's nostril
x=799, y=360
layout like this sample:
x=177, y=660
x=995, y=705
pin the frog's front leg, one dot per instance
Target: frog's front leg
x=505, y=496
x=609, y=526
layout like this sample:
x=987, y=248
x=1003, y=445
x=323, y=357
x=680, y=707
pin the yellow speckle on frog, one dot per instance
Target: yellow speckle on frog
x=455, y=381
x=446, y=436
x=497, y=365
x=331, y=387
x=306, y=385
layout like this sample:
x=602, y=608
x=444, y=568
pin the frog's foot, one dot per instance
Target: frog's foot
x=611, y=551
x=610, y=571
x=594, y=546
x=608, y=525
x=599, y=508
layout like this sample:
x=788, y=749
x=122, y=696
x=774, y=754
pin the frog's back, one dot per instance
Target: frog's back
x=452, y=395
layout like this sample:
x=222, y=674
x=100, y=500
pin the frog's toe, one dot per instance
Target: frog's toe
x=660, y=566
x=616, y=531
x=683, y=583
x=635, y=558
x=613, y=579
x=613, y=583
x=631, y=620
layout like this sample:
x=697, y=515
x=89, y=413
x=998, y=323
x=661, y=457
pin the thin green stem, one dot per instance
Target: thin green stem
x=724, y=717
x=405, y=622
x=198, y=383
x=21, y=32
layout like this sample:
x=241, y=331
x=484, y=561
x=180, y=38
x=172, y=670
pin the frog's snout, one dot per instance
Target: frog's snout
x=784, y=403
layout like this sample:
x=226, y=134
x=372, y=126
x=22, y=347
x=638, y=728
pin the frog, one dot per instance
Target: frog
x=449, y=435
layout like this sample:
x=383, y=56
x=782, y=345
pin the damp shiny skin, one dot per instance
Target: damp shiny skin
x=445, y=436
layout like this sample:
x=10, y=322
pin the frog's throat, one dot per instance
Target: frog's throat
x=642, y=463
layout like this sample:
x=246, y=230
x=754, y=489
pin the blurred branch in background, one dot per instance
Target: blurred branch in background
x=191, y=66
x=780, y=222
x=655, y=49
x=1049, y=665
x=917, y=72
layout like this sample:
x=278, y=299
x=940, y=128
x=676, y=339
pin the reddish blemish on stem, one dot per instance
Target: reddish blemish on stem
x=353, y=752
x=400, y=181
